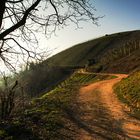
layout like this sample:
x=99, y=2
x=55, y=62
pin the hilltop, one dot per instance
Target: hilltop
x=119, y=53
x=116, y=53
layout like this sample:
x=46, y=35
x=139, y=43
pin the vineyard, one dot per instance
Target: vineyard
x=126, y=50
x=128, y=91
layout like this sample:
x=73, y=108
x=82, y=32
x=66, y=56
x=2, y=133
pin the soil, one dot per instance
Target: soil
x=100, y=115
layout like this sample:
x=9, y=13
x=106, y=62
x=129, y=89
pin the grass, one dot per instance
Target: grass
x=103, y=50
x=99, y=49
x=46, y=118
x=128, y=91
x=51, y=106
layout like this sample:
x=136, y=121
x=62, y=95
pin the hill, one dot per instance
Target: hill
x=62, y=109
x=116, y=53
x=119, y=53
x=128, y=91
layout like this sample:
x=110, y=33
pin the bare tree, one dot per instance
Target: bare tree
x=21, y=20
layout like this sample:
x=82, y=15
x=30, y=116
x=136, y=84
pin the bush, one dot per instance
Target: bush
x=7, y=99
x=95, y=68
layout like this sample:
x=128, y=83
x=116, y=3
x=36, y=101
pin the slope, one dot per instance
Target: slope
x=128, y=91
x=119, y=47
x=46, y=117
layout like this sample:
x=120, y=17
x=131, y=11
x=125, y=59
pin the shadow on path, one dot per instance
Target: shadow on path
x=95, y=121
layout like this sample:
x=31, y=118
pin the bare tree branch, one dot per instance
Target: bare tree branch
x=22, y=20
x=2, y=9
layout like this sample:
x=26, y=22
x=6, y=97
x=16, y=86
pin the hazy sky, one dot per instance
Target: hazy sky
x=120, y=15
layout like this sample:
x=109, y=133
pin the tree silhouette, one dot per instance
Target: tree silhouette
x=21, y=20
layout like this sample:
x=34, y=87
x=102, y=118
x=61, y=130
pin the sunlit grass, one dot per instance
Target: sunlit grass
x=46, y=117
x=128, y=91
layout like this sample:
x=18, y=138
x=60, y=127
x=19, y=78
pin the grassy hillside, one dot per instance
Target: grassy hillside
x=116, y=53
x=128, y=91
x=47, y=117
x=111, y=51
x=40, y=78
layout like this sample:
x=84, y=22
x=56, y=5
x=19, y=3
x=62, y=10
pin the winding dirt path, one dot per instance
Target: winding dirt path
x=101, y=116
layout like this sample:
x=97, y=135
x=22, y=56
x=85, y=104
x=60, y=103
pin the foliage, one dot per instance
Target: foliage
x=15, y=130
x=118, y=53
x=7, y=99
x=128, y=91
x=95, y=68
x=40, y=78
x=46, y=117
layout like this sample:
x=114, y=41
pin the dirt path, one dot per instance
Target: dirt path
x=101, y=116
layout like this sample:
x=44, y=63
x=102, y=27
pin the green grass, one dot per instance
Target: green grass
x=46, y=117
x=50, y=108
x=128, y=91
x=107, y=51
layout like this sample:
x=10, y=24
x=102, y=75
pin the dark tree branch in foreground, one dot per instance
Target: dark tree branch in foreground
x=21, y=20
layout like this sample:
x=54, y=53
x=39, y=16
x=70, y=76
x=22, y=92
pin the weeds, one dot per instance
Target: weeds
x=7, y=99
x=128, y=91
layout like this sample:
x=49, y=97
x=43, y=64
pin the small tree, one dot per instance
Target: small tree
x=7, y=99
